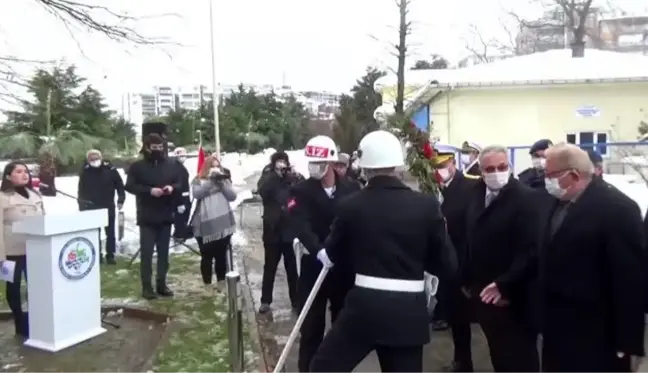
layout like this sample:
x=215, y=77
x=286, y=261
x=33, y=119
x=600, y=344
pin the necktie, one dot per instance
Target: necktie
x=489, y=198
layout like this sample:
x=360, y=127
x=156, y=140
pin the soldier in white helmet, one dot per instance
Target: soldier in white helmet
x=390, y=235
x=311, y=209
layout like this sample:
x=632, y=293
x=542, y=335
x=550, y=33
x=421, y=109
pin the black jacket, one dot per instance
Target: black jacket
x=183, y=197
x=275, y=192
x=533, y=178
x=501, y=242
x=388, y=230
x=454, y=207
x=591, y=276
x=97, y=187
x=145, y=174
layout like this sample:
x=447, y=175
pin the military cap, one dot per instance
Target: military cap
x=469, y=147
x=444, y=153
x=542, y=144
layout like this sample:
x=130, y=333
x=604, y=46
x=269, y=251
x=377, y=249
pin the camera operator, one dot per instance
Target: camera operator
x=274, y=189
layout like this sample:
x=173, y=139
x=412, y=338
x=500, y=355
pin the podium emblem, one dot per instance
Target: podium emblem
x=77, y=257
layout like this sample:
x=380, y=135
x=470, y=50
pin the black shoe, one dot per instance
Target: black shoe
x=440, y=325
x=164, y=291
x=111, y=260
x=457, y=367
x=148, y=293
x=265, y=308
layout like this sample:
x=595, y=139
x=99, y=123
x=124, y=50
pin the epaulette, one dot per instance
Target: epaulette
x=469, y=176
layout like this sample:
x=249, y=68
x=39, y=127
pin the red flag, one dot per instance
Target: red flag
x=201, y=157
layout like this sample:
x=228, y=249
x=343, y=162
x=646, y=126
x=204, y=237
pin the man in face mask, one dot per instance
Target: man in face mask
x=98, y=182
x=311, y=209
x=470, y=158
x=534, y=175
x=154, y=181
x=593, y=253
x=499, y=247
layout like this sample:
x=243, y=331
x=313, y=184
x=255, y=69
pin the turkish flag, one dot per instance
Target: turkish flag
x=201, y=157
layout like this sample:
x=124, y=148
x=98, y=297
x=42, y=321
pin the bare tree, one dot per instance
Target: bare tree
x=77, y=16
x=484, y=49
x=572, y=17
x=404, y=29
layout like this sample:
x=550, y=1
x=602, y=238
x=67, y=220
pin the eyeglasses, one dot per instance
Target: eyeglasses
x=503, y=167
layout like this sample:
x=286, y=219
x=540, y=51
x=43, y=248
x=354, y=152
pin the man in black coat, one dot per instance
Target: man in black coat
x=274, y=189
x=389, y=235
x=154, y=180
x=312, y=208
x=591, y=271
x=98, y=182
x=470, y=159
x=452, y=303
x=502, y=238
x=181, y=216
x=533, y=176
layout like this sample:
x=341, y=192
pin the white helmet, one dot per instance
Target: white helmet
x=380, y=149
x=321, y=149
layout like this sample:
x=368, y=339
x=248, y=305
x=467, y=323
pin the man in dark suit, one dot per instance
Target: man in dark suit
x=501, y=226
x=470, y=159
x=590, y=271
x=533, y=177
x=452, y=303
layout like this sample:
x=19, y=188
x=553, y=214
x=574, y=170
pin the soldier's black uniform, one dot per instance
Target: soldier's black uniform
x=311, y=212
x=391, y=235
x=454, y=207
x=533, y=177
x=473, y=171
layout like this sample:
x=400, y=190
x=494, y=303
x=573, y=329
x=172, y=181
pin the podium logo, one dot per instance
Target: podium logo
x=77, y=257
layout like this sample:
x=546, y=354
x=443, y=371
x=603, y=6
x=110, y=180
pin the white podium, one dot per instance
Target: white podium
x=63, y=284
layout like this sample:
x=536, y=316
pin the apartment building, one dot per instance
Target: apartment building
x=625, y=34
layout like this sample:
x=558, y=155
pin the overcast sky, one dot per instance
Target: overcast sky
x=314, y=45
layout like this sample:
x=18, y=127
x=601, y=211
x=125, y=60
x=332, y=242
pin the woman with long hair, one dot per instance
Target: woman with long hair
x=18, y=200
x=213, y=221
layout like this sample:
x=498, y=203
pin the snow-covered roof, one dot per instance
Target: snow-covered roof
x=554, y=66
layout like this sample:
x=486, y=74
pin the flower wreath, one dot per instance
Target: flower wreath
x=420, y=158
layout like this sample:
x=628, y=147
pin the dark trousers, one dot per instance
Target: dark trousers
x=180, y=229
x=273, y=253
x=342, y=351
x=213, y=255
x=512, y=344
x=14, y=298
x=333, y=290
x=154, y=237
x=460, y=319
x=110, y=233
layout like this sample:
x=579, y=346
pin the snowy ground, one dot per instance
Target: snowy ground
x=241, y=166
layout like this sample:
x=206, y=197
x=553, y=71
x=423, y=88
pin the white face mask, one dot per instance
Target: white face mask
x=465, y=159
x=95, y=163
x=496, y=180
x=317, y=170
x=444, y=173
x=553, y=187
x=538, y=163
x=182, y=159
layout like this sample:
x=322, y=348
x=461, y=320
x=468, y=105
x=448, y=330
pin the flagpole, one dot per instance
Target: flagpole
x=216, y=94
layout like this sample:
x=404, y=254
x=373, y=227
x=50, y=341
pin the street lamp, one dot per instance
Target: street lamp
x=216, y=94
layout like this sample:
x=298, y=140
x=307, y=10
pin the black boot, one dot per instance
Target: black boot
x=148, y=293
x=163, y=290
x=110, y=260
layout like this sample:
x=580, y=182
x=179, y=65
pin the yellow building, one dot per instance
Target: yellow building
x=597, y=99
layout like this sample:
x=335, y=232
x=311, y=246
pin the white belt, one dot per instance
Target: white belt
x=390, y=284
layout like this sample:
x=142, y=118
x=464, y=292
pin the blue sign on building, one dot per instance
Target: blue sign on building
x=421, y=118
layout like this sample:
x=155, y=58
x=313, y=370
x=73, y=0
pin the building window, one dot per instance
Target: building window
x=589, y=140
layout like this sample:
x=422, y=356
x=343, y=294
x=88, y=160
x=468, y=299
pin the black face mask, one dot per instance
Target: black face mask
x=157, y=154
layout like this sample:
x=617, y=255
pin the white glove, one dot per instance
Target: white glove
x=181, y=209
x=324, y=259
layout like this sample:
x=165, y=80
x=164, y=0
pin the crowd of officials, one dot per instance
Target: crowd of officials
x=551, y=263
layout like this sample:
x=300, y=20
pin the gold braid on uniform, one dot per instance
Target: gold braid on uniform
x=420, y=157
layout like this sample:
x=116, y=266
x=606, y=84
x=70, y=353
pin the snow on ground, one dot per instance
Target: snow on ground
x=241, y=165
x=633, y=186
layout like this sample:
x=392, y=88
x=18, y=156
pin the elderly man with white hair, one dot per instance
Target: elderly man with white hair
x=591, y=268
x=98, y=183
x=501, y=240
